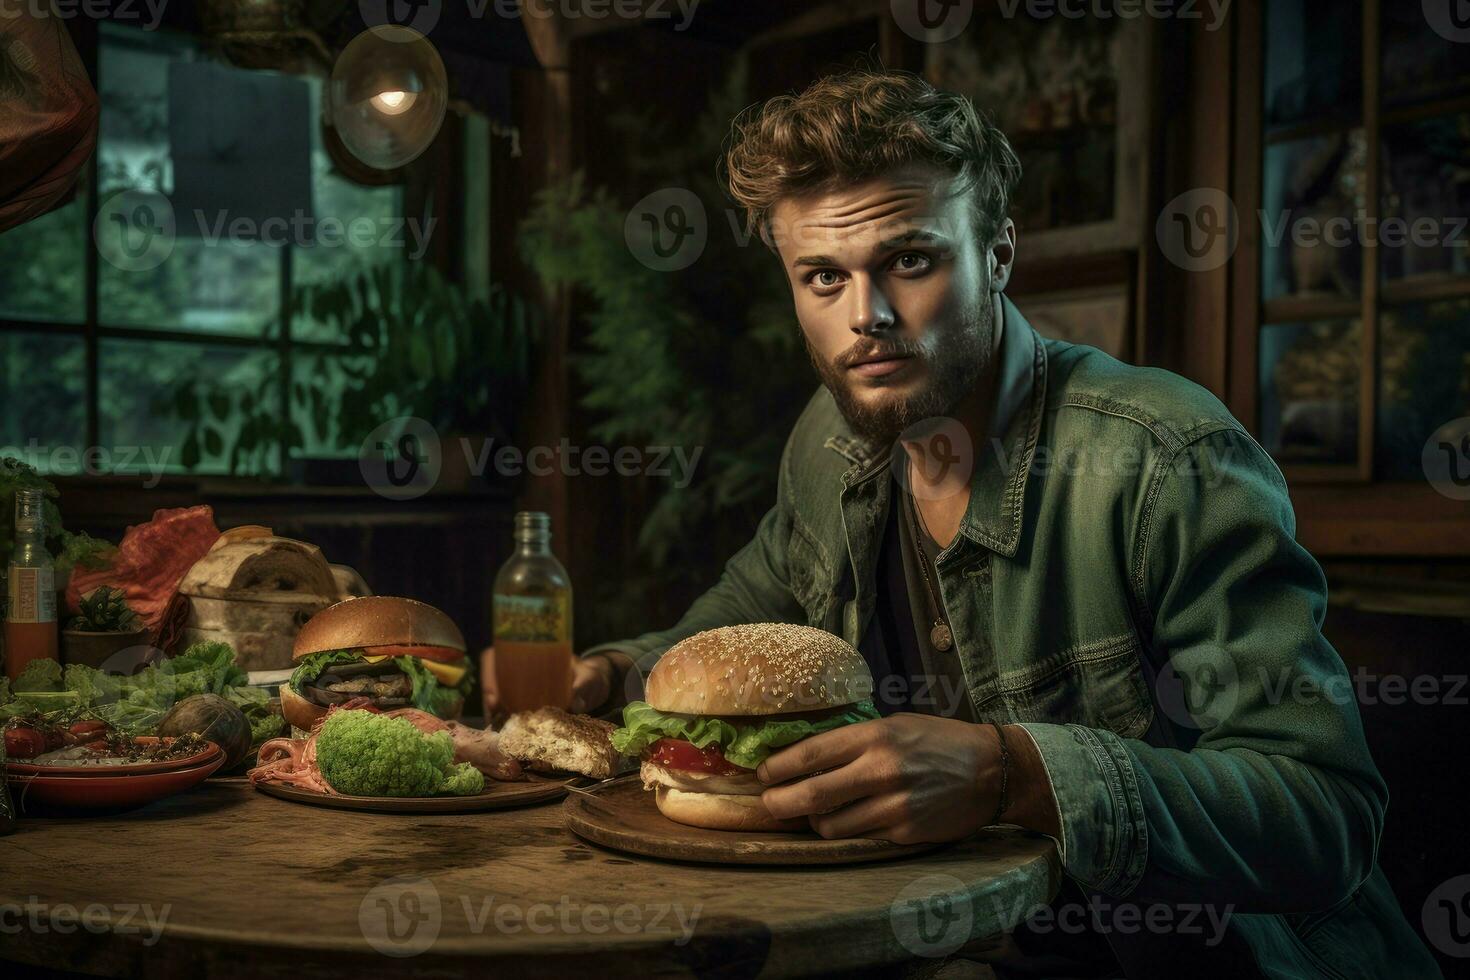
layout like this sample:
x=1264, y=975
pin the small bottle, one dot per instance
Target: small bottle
x=533, y=622
x=30, y=613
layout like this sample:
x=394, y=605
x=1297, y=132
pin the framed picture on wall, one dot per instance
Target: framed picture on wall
x=1098, y=317
x=1072, y=97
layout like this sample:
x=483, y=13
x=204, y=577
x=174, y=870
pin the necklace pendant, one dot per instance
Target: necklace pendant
x=941, y=637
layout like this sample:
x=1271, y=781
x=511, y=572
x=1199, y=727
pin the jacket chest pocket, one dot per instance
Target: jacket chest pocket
x=811, y=575
x=1097, y=685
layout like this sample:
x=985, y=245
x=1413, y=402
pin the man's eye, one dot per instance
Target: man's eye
x=825, y=277
x=912, y=262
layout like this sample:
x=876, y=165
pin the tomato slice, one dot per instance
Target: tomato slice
x=444, y=655
x=675, y=753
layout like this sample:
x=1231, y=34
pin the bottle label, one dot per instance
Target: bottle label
x=32, y=595
x=531, y=619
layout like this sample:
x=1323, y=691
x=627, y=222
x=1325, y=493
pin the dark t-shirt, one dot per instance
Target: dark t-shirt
x=909, y=673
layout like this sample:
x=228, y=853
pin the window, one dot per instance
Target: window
x=212, y=327
x=1360, y=328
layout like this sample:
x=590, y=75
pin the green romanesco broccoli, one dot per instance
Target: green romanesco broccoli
x=362, y=753
x=463, y=779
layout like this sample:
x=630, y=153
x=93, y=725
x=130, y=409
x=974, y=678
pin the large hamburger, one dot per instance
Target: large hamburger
x=720, y=701
x=399, y=653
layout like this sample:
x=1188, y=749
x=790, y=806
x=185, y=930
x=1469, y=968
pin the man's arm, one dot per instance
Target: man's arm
x=1276, y=806
x=754, y=588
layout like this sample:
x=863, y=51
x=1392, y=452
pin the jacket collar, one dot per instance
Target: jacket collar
x=996, y=509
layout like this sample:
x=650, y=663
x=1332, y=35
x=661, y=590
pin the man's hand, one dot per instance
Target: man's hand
x=906, y=778
x=591, y=683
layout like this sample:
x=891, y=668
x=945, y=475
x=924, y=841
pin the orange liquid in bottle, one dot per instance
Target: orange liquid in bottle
x=25, y=642
x=532, y=675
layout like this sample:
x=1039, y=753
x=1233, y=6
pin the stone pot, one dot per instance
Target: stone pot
x=95, y=649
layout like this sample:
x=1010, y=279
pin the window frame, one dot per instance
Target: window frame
x=1342, y=509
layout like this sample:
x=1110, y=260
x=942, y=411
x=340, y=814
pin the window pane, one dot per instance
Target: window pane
x=43, y=265
x=224, y=287
x=1419, y=62
x=42, y=398
x=1424, y=380
x=166, y=397
x=1309, y=391
x=1314, y=61
x=1311, y=191
x=319, y=381
x=1426, y=196
x=373, y=216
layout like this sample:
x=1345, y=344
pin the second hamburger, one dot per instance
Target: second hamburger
x=719, y=702
x=399, y=653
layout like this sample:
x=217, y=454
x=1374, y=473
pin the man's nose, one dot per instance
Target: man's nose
x=870, y=312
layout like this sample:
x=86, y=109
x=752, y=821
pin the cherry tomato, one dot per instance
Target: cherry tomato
x=24, y=743
x=676, y=753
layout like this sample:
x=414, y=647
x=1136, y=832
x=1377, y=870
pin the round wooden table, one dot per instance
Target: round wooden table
x=224, y=881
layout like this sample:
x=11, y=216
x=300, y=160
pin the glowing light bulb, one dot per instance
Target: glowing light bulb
x=394, y=102
x=387, y=96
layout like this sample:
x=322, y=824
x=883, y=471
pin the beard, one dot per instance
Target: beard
x=960, y=355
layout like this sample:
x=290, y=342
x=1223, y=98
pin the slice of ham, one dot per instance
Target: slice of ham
x=473, y=745
x=292, y=761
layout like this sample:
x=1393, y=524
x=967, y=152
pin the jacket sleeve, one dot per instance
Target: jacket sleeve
x=754, y=588
x=1271, y=802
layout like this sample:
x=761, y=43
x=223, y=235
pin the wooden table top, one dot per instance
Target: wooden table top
x=224, y=881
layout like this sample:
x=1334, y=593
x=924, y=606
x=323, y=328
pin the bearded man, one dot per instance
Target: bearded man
x=1076, y=582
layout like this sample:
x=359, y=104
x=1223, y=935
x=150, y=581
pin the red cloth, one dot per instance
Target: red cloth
x=48, y=116
x=150, y=562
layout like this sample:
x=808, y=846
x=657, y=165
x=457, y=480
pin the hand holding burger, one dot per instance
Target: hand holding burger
x=721, y=701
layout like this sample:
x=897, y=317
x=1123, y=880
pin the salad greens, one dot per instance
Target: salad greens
x=745, y=744
x=136, y=704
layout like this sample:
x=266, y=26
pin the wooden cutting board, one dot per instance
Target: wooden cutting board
x=621, y=814
x=496, y=796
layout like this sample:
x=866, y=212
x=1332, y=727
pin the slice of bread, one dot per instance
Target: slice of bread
x=551, y=740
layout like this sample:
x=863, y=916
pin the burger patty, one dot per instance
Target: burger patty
x=743, y=784
x=388, y=686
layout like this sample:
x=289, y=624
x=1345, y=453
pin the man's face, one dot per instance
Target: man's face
x=892, y=290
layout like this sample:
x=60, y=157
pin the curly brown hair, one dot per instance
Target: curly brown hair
x=860, y=124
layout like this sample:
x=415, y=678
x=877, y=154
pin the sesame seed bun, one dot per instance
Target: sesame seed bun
x=376, y=620
x=758, y=669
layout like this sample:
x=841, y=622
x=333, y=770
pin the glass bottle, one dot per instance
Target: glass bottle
x=30, y=613
x=533, y=622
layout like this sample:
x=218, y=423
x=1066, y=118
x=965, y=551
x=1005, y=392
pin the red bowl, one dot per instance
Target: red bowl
x=106, y=792
x=206, y=754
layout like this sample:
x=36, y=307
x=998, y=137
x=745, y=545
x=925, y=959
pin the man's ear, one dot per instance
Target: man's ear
x=1002, y=255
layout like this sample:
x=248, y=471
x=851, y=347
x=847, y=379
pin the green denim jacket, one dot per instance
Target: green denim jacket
x=1127, y=585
